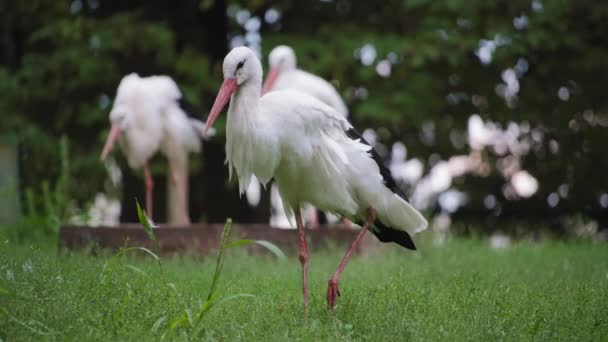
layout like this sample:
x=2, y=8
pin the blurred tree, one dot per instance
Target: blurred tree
x=404, y=64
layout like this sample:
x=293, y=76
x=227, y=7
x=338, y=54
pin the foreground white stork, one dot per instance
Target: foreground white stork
x=148, y=116
x=315, y=157
x=285, y=75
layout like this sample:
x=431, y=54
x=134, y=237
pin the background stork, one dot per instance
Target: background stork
x=284, y=75
x=149, y=115
x=315, y=157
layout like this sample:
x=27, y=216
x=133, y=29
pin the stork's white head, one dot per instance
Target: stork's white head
x=281, y=59
x=125, y=96
x=120, y=116
x=241, y=66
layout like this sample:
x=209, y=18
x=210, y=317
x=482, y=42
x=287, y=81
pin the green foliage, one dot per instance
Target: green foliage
x=461, y=291
x=121, y=253
x=47, y=207
x=189, y=319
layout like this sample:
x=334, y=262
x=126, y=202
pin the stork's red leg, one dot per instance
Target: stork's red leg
x=303, y=258
x=149, y=189
x=332, y=287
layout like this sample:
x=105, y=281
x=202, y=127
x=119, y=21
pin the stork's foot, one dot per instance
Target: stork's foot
x=332, y=293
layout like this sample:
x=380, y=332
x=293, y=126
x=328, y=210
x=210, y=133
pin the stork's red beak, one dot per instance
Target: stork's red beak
x=111, y=140
x=223, y=96
x=273, y=74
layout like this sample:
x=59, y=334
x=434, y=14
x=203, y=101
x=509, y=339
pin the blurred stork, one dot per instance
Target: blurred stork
x=314, y=155
x=149, y=115
x=284, y=75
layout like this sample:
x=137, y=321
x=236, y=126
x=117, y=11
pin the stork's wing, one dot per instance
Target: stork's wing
x=298, y=110
x=383, y=232
x=387, y=177
x=313, y=85
x=311, y=127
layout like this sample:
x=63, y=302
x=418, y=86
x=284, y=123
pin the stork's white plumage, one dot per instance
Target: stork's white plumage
x=285, y=75
x=314, y=155
x=147, y=116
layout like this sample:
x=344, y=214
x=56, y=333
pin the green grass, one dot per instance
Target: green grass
x=462, y=291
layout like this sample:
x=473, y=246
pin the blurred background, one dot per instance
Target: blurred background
x=492, y=115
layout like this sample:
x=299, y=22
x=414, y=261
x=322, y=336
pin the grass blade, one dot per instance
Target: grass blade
x=102, y=274
x=189, y=316
x=29, y=326
x=272, y=247
x=235, y=296
x=146, y=223
x=145, y=250
x=123, y=251
x=175, y=323
x=159, y=322
x=220, y=258
x=136, y=269
x=266, y=244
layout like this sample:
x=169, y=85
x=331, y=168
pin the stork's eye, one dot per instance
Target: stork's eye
x=240, y=65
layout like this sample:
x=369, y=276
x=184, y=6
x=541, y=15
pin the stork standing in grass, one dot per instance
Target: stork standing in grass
x=284, y=75
x=315, y=157
x=149, y=115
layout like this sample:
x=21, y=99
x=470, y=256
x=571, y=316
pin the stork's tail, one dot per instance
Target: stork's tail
x=387, y=234
x=400, y=220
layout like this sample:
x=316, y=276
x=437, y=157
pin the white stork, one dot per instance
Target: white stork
x=148, y=116
x=284, y=75
x=315, y=157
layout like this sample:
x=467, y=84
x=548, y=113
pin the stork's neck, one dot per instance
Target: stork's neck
x=244, y=104
x=249, y=149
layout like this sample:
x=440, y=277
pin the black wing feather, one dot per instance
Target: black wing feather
x=385, y=233
x=384, y=171
x=388, y=234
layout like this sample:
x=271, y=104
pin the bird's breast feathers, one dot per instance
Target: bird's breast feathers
x=289, y=127
x=251, y=152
